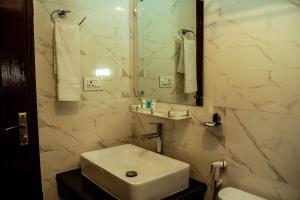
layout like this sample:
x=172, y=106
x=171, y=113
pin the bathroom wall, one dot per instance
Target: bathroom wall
x=159, y=47
x=251, y=77
x=101, y=118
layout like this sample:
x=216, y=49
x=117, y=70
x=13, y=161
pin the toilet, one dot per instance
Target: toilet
x=230, y=193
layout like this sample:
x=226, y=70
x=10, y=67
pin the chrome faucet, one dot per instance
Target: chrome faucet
x=158, y=135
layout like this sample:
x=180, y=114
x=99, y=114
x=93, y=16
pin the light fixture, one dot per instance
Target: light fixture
x=103, y=72
x=119, y=8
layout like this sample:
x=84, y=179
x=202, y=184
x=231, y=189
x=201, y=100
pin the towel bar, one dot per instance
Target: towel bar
x=62, y=13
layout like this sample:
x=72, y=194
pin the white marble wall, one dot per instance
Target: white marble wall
x=101, y=118
x=251, y=69
x=252, y=78
x=158, y=23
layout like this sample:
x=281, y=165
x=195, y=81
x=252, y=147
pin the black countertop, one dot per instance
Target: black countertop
x=73, y=186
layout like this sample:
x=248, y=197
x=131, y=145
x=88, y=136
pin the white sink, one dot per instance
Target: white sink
x=157, y=177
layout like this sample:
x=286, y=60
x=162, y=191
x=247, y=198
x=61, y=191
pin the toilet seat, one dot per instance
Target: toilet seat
x=231, y=193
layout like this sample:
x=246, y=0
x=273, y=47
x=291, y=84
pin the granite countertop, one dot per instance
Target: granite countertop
x=73, y=186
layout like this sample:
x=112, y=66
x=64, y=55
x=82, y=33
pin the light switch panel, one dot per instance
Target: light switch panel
x=166, y=81
x=92, y=84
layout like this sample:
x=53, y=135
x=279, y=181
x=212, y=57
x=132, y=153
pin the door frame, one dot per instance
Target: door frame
x=31, y=89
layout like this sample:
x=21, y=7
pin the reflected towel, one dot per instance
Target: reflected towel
x=187, y=65
x=67, y=61
x=180, y=66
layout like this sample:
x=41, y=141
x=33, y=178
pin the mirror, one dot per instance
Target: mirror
x=170, y=51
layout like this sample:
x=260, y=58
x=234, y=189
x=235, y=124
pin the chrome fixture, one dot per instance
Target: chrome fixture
x=216, y=121
x=217, y=168
x=23, y=128
x=62, y=13
x=158, y=135
x=182, y=32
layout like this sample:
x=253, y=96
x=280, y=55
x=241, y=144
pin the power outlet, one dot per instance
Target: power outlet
x=92, y=84
x=166, y=81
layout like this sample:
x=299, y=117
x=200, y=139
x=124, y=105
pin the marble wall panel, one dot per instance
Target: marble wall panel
x=251, y=68
x=101, y=119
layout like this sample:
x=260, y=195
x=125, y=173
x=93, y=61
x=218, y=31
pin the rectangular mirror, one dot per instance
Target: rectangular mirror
x=170, y=51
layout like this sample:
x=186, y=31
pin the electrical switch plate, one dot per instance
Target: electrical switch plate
x=166, y=81
x=92, y=84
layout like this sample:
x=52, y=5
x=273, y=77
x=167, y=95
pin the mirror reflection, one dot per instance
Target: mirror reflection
x=167, y=49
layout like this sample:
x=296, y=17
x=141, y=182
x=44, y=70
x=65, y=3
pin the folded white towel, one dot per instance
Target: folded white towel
x=67, y=61
x=177, y=114
x=187, y=65
x=136, y=107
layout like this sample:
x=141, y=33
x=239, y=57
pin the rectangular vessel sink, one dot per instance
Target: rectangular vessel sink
x=157, y=176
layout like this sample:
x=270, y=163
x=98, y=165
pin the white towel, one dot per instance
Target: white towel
x=187, y=65
x=67, y=61
x=180, y=67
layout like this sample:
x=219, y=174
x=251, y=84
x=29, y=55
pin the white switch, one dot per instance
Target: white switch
x=92, y=83
x=166, y=81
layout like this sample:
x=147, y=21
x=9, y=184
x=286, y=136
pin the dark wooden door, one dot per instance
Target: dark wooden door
x=19, y=165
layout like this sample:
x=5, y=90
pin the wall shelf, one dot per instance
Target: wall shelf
x=173, y=115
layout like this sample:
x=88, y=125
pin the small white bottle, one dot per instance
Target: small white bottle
x=153, y=105
x=144, y=101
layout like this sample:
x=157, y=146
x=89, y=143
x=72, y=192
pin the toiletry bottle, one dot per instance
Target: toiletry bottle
x=148, y=104
x=143, y=104
x=153, y=105
x=157, y=103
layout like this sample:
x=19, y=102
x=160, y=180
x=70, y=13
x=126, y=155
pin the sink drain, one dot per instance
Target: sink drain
x=131, y=173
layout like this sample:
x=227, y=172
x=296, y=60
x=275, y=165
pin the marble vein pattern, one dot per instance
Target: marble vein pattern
x=101, y=119
x=251, y=67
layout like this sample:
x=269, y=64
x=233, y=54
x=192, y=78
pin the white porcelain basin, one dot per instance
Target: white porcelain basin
x=157, y=177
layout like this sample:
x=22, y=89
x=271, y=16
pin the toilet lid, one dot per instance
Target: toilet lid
x=230, y=193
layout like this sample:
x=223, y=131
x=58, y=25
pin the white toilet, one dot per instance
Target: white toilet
x=231, y=193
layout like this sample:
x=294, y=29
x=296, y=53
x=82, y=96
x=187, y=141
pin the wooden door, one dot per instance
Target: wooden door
x=19, y=163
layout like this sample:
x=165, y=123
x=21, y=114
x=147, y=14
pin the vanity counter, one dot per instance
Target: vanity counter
x=73, y=186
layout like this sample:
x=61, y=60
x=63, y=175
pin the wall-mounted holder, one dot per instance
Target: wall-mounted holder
x=174, y=115
x=216, y=167
x=62, y=14
x=216, y=121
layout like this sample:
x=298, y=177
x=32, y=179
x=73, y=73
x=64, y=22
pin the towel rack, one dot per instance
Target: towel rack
x=62, y=13
x=182, y=32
